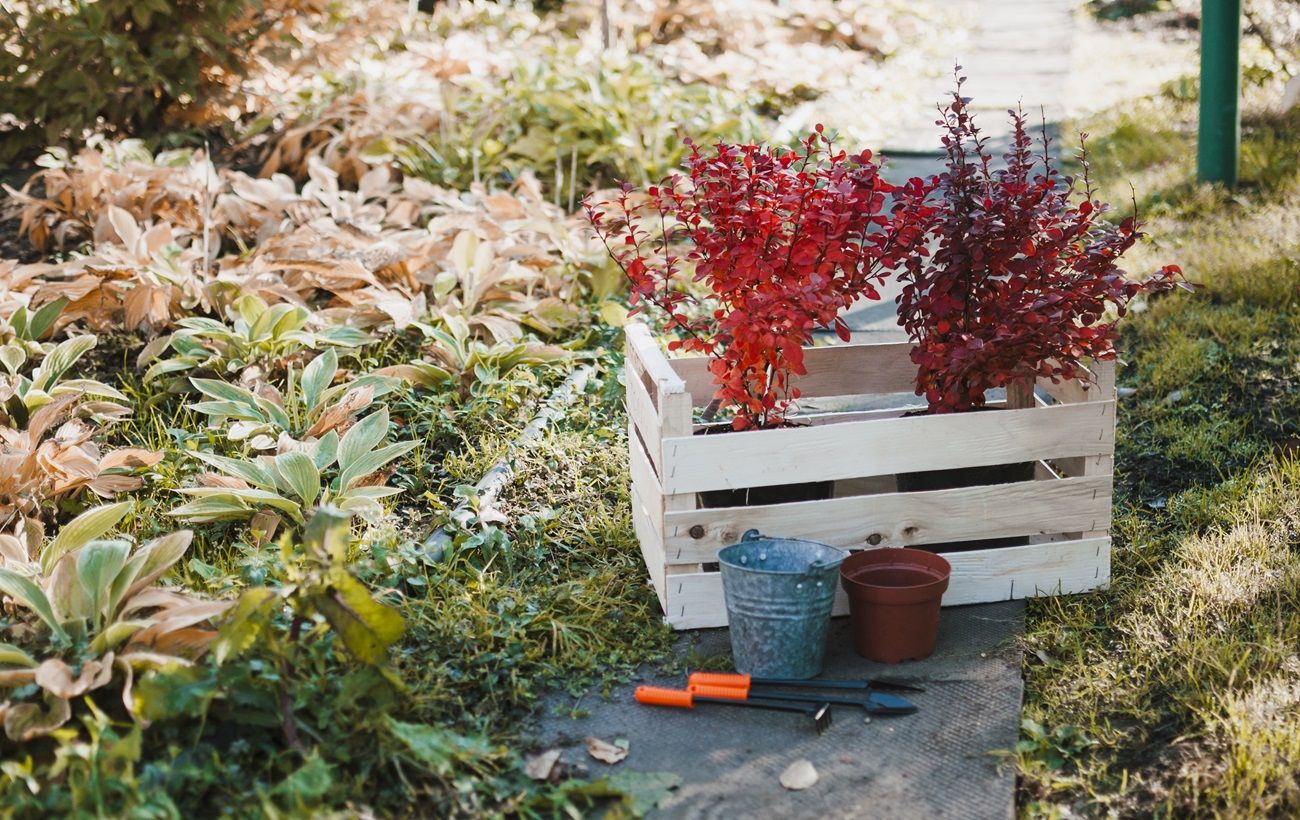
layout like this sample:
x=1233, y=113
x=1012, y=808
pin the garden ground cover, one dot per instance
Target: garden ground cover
x=346, y=286
x=1174, y=692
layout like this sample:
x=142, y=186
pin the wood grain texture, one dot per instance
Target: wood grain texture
x=645, y=357
x=837, y=370
x=695, y=601
x=901, y=519
x=885, y=446
x=651, y=547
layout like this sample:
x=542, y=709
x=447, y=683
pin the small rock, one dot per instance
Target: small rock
x=1126, y=392
x=799, y=775
x=1174, y=397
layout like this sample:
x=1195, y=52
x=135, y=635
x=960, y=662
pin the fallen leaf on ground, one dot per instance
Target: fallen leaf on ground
x=606, y=752
x=539, y=766
x=799, y=775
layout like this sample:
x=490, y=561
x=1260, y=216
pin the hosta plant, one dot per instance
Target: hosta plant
x=87, y=614
x=310, y=406
x=25, y=388
x=332, y=470
x=466, y=362
x=259, y=337
x=781, y=241
x=27, y=328
x=1024, y=274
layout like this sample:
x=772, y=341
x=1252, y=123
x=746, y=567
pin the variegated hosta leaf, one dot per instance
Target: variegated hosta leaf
x=27, y=721
x=86, y=527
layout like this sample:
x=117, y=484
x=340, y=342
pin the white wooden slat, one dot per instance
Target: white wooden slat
x=885, y=446
x=1064, y=567
x=1073, y=391
x=644, y=419
x=644, y=480
x=900, y=519
x=651, y=547
x=840, y=416
x=646, y=357
x=1058, y=568
x=835, y=370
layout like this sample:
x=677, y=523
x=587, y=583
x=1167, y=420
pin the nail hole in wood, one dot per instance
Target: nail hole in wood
x=697, y=532
x=874, y=539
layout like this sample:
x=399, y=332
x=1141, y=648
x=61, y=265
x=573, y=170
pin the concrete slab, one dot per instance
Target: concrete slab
x=938, y=763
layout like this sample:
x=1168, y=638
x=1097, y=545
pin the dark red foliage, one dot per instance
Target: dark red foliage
x=782, y=239
x=1023, y=273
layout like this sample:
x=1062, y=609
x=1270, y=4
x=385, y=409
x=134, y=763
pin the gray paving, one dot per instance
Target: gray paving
x=942, y=762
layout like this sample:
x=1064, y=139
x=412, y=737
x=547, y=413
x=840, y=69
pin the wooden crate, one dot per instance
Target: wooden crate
x=1067, y=429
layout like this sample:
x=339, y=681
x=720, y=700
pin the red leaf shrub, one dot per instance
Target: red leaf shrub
x=783, y=240
x=1022, y=275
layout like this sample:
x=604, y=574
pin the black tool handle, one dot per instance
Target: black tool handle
x=806, y=709
x=876, y=683
x=872, y=707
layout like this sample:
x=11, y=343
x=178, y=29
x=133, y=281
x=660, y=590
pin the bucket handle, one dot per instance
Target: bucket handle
x=813, y=568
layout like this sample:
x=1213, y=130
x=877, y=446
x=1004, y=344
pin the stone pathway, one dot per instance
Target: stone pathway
x=937, y=764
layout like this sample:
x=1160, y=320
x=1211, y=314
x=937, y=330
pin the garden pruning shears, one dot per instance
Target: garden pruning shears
x=719, y=684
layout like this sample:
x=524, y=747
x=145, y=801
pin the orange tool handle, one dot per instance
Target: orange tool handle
x=658, y=696
x=719, y=692
x=730, y=680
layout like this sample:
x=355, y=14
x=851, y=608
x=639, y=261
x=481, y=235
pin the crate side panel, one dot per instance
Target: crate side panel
x=1011, y=573
x=836, y=370
x=901, y=519
x=652, y=550
x=695, y=601
x=644, y=420
x=886, y=446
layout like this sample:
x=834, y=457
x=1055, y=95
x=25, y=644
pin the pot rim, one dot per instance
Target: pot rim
x=938, y=578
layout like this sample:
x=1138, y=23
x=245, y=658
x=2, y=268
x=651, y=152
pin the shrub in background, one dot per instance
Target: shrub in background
x=71, y=65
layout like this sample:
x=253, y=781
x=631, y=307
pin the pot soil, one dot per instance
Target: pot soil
x=928, y=480
x=894, y=596
x=759, y=496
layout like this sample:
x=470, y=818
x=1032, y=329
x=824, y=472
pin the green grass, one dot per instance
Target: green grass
x=1177, y=691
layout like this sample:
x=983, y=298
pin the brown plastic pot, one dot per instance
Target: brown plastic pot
x=894, y=597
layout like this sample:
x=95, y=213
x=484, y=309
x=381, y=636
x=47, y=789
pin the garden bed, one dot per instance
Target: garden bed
x=1066, y=429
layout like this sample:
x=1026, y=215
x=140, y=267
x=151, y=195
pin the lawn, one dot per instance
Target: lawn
x=1175, y=691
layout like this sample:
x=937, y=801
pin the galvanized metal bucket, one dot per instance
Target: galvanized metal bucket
x=779, y=594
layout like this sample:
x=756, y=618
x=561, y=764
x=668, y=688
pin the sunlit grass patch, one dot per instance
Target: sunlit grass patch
x=1173, y=692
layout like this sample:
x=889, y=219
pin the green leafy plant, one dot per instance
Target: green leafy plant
x=467, y=362
x=27, y=328
x=22, y=393
x=260, y=336
x=619, y=118
x=310, y=406
x=86, y=606
x=294, y=482
x=133, y=61
x=1055, y=748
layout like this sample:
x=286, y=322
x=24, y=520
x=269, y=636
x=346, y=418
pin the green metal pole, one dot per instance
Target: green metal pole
x=1220, y=118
